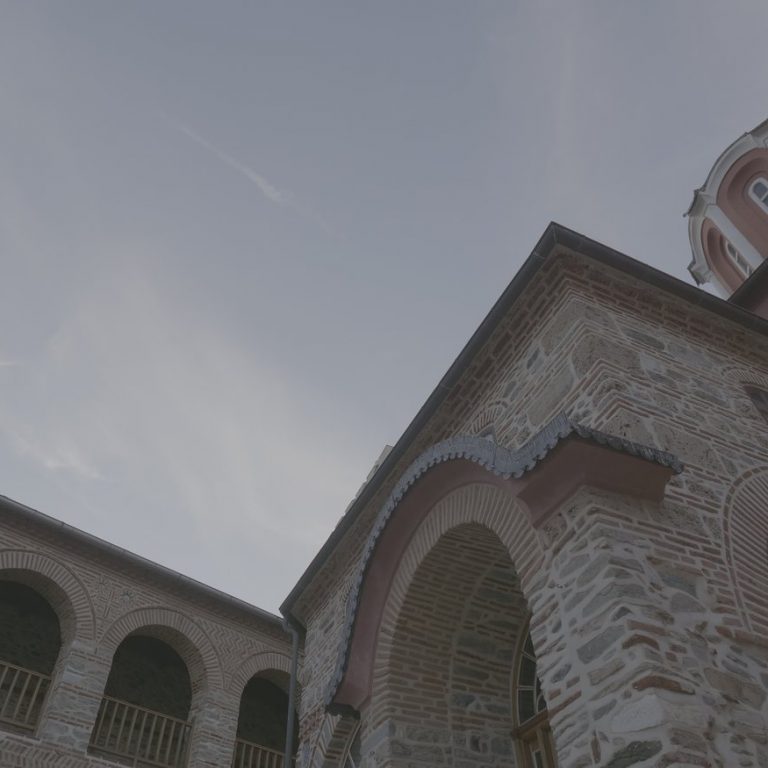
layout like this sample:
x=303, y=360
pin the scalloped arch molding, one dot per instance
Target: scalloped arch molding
x=541, y=475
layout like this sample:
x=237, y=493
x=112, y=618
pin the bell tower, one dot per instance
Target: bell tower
x=728, y=218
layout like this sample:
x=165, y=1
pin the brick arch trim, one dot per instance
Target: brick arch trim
x=198, y=652
x=745, y=538
x=81, y=619
x=262, y=661
x=576, y=455
x=480, y=504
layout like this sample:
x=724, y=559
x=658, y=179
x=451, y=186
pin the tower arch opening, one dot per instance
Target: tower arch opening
x=453, y=673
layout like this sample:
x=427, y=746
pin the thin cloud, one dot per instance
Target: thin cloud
x=269, y=190
x=176, y=420
x=62, y=456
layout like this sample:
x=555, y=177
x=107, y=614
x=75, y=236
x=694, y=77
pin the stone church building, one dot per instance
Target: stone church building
x=562, y=562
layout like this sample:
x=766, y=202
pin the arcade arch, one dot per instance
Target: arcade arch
x=157, y=678
x=30, y=644
x=262, y=720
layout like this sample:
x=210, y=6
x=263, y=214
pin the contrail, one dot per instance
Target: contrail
x=270, y=191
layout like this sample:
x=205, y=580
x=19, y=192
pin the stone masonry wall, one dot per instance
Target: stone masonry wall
x=100, y=600
x=626, y=358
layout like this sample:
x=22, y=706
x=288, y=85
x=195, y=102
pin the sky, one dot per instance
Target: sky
x=240, y=242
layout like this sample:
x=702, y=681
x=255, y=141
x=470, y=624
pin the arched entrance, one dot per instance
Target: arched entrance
x=449, y=662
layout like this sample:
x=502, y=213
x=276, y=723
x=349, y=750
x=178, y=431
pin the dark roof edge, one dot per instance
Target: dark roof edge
x=554, y=235
x=478, y=338
x=106, y=547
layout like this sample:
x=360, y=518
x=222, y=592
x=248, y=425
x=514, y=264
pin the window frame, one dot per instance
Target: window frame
x=736, y=258
x=533, y=735
x=762, y=202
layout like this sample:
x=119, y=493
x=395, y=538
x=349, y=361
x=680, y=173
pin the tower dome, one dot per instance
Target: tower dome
x=728, y=218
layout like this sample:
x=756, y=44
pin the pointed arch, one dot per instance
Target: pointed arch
x=457, y=611
x=478, y=504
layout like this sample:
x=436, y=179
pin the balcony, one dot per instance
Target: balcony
x=139, y=737
x=21, y=695
x=250, y=755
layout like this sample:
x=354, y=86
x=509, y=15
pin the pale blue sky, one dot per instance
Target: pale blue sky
x=241, y=242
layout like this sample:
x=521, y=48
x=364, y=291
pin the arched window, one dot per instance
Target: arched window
x=758, y=191
x=738, y=261
x=534, y=736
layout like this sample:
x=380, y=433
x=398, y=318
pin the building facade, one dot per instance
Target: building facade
x=562, y=562
x=584, y=492
x=107, y=658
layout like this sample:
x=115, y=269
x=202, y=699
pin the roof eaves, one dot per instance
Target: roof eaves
x=554, y=235
x=478, y=338
x=112, y=550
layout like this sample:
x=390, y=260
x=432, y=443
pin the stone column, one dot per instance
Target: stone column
x=625, y=627
x=72, y=704
x=214, y=729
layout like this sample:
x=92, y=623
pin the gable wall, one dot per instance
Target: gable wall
x=617, y=355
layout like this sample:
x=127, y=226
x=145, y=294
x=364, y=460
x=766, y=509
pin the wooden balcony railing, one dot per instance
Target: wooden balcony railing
x=138, y=736
x=250, y=755
x=21, y=695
